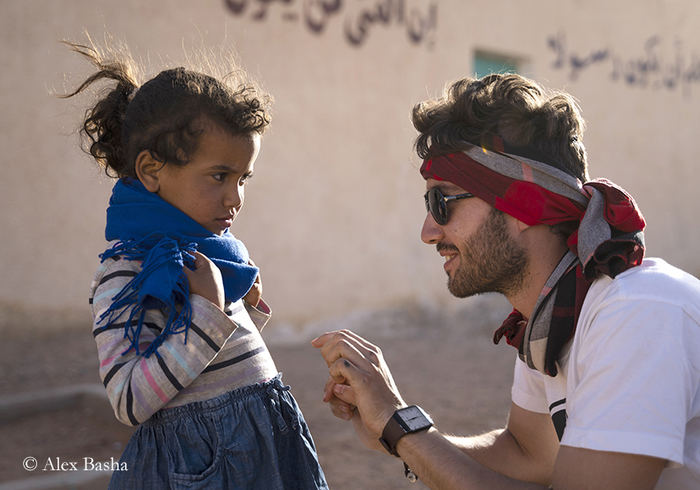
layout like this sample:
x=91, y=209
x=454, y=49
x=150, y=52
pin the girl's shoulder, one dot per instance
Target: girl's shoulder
x=111, y=268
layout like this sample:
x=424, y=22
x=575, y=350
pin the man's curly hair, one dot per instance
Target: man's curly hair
x=548, y=125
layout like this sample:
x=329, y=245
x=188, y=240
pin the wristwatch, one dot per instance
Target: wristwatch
x=405, y=420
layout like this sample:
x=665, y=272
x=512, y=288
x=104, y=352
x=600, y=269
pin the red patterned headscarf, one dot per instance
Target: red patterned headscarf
x=608, y=236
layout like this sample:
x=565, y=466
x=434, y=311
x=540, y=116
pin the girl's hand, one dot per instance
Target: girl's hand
x=253, y=296
x=205, y=280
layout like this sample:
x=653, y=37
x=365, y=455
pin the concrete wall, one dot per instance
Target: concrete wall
x=334, y=212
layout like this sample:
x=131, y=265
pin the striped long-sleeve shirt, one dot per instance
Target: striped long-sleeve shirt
x=224, y=351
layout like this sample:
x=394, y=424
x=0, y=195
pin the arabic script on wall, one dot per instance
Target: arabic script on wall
x=418, y=17
x=658, y=66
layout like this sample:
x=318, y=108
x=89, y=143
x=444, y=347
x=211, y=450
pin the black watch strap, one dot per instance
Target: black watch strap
x=405, y=420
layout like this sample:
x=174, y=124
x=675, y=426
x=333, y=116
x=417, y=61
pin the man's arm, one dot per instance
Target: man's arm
x=441, y=464
x=584, y=469
x=368, y=396
x=525, y=450
x=528, y=450
x=429, y=455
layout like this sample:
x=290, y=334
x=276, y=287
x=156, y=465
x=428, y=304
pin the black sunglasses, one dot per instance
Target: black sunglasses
x=436, y=204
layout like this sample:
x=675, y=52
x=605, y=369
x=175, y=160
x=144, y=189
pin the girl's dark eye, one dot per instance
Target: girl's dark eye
x=219, y=177
x=245, y=178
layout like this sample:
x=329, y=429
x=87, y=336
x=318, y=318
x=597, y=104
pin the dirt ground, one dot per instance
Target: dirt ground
x=447, y=364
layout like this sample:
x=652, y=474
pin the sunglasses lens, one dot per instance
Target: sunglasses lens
x=436, y=205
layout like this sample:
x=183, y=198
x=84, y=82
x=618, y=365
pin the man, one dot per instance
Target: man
x=606, y=390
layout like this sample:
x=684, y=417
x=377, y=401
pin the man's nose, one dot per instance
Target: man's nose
x=431, y=232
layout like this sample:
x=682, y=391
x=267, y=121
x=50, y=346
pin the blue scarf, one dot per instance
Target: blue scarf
x=132, y=216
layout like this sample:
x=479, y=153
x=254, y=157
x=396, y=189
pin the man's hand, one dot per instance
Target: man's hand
x=205, y=280
x=360, y=387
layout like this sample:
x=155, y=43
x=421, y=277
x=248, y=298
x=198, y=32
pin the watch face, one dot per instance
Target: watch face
x=414, y=418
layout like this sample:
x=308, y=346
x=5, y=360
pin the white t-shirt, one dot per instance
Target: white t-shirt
x=630, y=382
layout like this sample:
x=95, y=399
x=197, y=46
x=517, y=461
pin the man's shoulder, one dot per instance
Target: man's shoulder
x=641, y=298
x=654, y=280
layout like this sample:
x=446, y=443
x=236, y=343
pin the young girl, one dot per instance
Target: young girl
x=176, y=299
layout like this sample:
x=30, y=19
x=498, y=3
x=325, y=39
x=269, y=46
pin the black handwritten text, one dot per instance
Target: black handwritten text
x=419, y=19
x=650, y=69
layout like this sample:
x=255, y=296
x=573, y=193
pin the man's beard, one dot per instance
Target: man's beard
x=489, y=261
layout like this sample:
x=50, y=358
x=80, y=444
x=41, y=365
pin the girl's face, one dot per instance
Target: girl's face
x=210, y=188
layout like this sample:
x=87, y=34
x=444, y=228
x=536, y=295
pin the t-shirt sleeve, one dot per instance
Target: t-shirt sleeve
x=528, y=390
x=630, y=385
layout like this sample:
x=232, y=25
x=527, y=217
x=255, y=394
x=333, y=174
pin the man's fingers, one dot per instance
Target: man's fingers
x=330, y=337
x=345, y=394
x=343, y=368
x=328, y=389
x=338, y=347
x=345, y=343
x=361, y=341
x=338, y=389
x=343, y=348
x=341, y=409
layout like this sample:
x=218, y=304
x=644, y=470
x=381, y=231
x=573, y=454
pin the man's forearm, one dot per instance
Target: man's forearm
x=499, y=451
x=440, y=463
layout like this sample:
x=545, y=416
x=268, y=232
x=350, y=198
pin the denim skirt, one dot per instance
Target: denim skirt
x=253, y=437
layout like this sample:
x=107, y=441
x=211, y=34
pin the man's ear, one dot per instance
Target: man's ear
x=521, y=225
x=147, y=169
x=515, y=224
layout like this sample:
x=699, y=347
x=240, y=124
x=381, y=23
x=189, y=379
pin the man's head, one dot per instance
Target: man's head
x=547, y=127
x=478, y=245
x=485, y=248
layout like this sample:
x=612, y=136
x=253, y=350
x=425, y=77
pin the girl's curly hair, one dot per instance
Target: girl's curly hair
x=165, y=115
